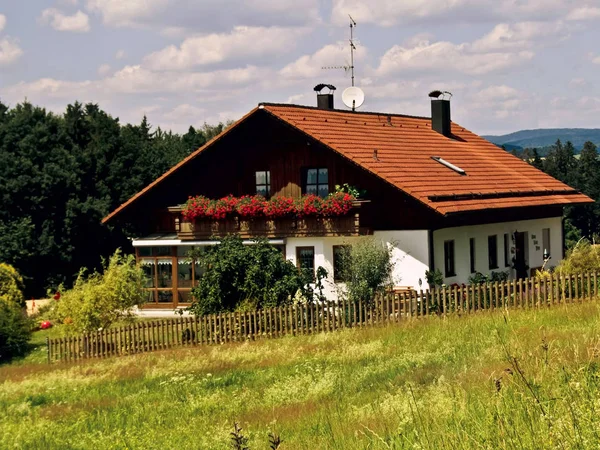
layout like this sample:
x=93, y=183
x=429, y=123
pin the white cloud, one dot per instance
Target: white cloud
x=594, y=58
x=241, y=43
x=120, y=54
x=584, y=13
x=391, y=12
x=77, y=23
x=9, y=51
x=184, y=113
x=501, y=92
x=428, y=56
x=506, y=45
x=578, y=83
x=127, y=13
x=135, y=80
x=2, y=21
x=519, y=35
x=104, y=69
x=310, y=66
x=187, y=14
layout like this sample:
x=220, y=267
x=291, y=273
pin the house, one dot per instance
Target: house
x=442, y=196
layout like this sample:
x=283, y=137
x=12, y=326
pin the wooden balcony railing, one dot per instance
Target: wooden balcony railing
x=348, y=225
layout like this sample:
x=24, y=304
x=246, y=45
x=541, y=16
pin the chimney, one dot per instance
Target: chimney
x=324, y=101
x=440, y=112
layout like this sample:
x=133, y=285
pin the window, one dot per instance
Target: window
x=472, y=254
x=493, y=251
x=506, y=250
x=449, y=258
x=144, y=251
x=263, y=183
x=305, y=258
x=316, y=181
x=341, y=255
x=546, y=241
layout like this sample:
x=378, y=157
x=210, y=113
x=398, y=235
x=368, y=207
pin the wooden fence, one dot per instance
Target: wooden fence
x=322, y=317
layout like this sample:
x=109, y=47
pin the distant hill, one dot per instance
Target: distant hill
x=546, y=137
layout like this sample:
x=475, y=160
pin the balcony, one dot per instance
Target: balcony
x=347, y=225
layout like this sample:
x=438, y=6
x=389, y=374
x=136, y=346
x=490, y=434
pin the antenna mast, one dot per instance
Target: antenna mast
x=352, y=48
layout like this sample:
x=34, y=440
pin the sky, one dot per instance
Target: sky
x=510, y=64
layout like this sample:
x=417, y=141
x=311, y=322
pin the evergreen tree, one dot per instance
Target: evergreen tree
x=561, y=163
x=59, y=175
x=587, y=217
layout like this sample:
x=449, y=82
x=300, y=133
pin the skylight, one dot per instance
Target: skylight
x=449, y=165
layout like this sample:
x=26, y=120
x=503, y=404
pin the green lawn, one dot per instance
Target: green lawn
x=434, y=383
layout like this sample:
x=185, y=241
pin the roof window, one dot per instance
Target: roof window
x=449, y=165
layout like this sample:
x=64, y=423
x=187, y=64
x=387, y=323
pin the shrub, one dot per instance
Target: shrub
x=99, y=299
x=11, y=286
x=367, y=269
x=15, y=331
x=584, y=257
x=434, y=278
x=479, y=278
x=239, y=275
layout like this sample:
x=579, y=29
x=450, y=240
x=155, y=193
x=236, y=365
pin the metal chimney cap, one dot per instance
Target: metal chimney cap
x=437, y=94
x=321, y=86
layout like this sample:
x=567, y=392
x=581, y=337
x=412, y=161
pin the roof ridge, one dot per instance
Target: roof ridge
x=372, y=113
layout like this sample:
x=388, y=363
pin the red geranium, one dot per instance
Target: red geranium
x=337, y=204
x=222, y=208
x=196, y=207
x=251, y=206
x=280, y=207
x=309, y=205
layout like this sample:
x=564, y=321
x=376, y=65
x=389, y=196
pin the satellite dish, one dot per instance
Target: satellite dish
x=353, y=97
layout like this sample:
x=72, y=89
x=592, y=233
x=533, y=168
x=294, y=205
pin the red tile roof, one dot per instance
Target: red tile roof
x=399, y=148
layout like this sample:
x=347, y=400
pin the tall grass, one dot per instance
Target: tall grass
x=528, y=379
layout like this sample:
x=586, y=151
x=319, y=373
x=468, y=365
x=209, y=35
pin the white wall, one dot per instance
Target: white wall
x=461, y=236
x=409, y=249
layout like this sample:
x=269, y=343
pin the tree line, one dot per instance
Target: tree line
x=60, y=174
x=580, y=171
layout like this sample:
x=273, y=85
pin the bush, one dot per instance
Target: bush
x=434, y=278
x=99, y=299
x=367, y=269
x=248, y=276
x=11, y=286
x=584, y=257
x=15, y=331
x=479, y=278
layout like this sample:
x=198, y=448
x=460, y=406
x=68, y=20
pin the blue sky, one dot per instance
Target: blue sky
x=511, y=64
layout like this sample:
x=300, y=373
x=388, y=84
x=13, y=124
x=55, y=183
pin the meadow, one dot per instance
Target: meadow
x=515, y=379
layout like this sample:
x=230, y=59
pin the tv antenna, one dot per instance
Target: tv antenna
x=352, y=48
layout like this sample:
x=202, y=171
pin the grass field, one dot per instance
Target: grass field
x=525, y=379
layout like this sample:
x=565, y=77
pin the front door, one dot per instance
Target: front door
x=520, y=254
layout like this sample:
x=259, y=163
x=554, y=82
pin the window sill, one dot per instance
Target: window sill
x=449, y=275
